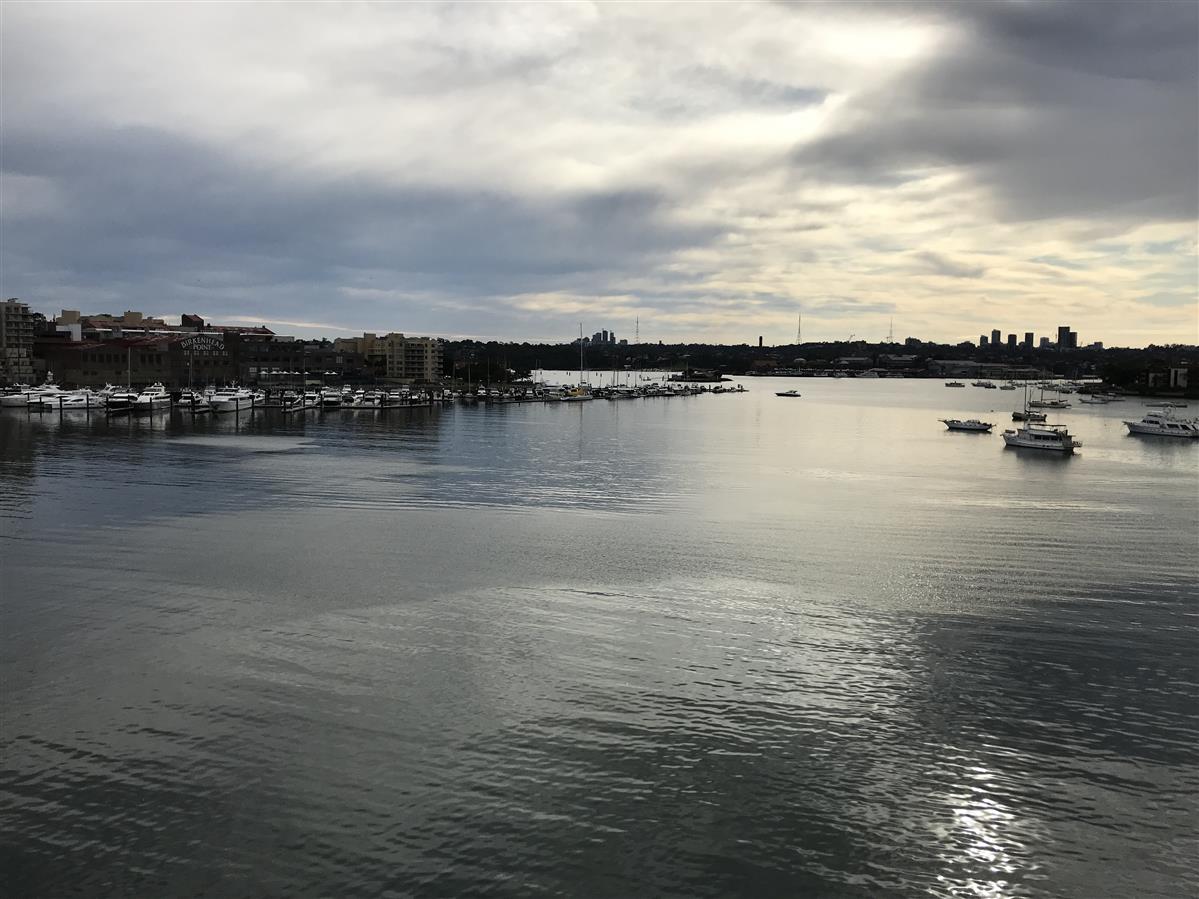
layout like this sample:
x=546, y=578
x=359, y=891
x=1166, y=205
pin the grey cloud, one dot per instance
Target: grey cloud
x=836, y=306
x=938, y=264
x=1056, y=109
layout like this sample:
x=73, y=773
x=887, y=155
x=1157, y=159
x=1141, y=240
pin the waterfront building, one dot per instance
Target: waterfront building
x=413, y=359
x=396, y=356
x=16, y=343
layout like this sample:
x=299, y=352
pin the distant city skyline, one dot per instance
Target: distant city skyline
x=1037, y=339
x=504, y=171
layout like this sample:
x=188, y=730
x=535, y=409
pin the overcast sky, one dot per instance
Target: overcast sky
x=511, y=170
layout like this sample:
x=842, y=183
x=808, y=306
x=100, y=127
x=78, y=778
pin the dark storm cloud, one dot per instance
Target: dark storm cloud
x=141, y=201
x=1056, y=109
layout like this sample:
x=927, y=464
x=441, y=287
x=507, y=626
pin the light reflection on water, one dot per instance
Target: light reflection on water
x=704, y=646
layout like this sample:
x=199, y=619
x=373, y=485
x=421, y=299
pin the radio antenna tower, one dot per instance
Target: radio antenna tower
x=799, y=328
x=637, y=329
x=891, y=331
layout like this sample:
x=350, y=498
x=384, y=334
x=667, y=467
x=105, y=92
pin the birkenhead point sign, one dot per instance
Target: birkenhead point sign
x=203, y=342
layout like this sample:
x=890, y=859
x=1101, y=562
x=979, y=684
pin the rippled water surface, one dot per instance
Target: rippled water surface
x=707, y=646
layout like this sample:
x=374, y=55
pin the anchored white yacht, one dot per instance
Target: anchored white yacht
x=1041, y=436
x=1163, y=424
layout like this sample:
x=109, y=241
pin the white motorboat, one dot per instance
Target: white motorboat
x=1093, y=400
x=120, y=400
x=193, y=402
x=954, y=384
x=987, y=384
x=1055, y=438
x=17, y=397
x=1010, y=385
x=32, y=397
x=298, y=403
x=153, y=398
x=78, y=401
x=969, y=424
x=331, y=399
x=232, y=399
x=1163, y=424
x=53, y=402
x=788, y=393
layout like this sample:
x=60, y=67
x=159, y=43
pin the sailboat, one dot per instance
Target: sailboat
x=579, y=394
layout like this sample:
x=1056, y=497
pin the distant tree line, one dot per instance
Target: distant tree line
x=496, y=361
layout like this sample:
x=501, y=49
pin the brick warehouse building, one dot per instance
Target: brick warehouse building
x=194, y=359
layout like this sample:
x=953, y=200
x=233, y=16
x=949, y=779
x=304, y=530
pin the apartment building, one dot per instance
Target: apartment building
x=16, y=343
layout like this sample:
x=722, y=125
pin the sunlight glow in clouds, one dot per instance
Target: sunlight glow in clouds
x=507, y=169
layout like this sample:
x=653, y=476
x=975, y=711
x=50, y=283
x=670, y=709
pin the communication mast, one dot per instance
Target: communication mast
x=637, y=329
x=799, y=329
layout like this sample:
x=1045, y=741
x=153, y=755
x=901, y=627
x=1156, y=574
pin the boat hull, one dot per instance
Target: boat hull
x=1043, y=446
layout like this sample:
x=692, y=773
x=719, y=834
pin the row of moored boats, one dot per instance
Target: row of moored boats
x=155, y=398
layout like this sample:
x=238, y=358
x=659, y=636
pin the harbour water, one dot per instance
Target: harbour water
x=730, y=645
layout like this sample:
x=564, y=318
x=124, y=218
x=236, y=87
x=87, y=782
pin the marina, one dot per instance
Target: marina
x=237, y=400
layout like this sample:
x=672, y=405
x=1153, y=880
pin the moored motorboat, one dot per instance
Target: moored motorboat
x=1028, y=415
x=788, y=393
x=194, y=402
x=64, y=401
x=1163, y=424
x=32, y=397
x=1055, y=438
x=232, y=399
x=954, y=384
x=970, y=424
x=153, y=398
x=121, y=400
